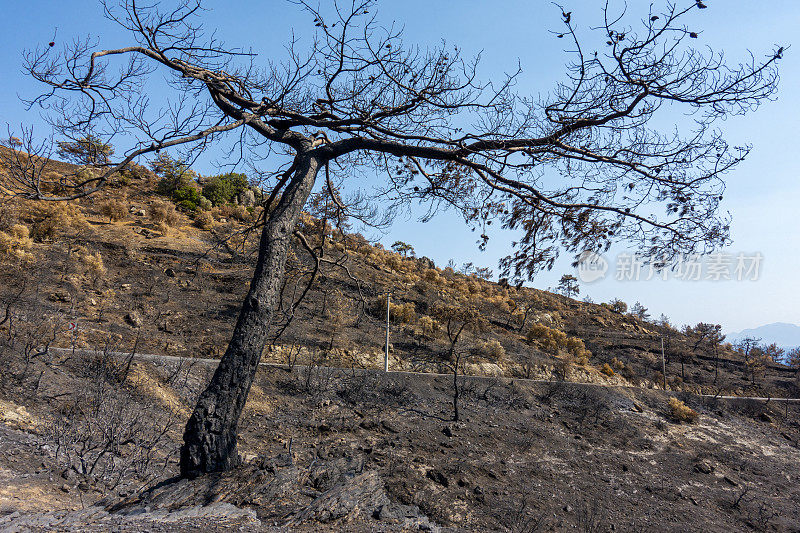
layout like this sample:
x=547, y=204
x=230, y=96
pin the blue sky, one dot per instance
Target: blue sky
x=762, y=194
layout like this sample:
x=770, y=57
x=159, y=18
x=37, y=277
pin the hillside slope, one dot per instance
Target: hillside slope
x=154, y=279
x=329, y=442
x=355, y=451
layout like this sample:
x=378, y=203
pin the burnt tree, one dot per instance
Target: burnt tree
x=355, y=101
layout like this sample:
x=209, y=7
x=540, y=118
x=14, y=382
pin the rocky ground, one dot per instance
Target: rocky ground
x=90, y=440
x=361, y=451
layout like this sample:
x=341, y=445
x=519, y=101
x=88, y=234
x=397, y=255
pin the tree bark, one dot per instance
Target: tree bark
x=209, y=440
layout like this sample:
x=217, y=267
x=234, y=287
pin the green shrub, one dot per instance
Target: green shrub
x=222, y=189
x=175, y=174
x=616, y=305
x=189, y=199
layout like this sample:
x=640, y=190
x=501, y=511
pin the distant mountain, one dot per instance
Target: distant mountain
x=783, y=334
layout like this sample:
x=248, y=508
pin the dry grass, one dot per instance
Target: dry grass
x=680, y=412
x=163, y=213
x=114, y=209
x=492, y=349
x=16, y=243
x=553, y=341
x=204, y=220
x=55, y=219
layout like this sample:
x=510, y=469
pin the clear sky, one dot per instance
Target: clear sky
x=762, y=194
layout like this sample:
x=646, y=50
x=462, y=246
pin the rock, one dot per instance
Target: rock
x=408, y=517
x=730, y=481
x=59, y=296
x=390, y=426
x=169, y=273
x=363, y=495
x=274, y=486
x=327, y=475
x=284, y=494
x=141, y=213
x=368, y=423
x=438, y=477
x=703, y=466
x=134, y=319
x=246, y=198
x=448, y=431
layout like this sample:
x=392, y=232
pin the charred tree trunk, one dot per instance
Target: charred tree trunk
x=209, y=440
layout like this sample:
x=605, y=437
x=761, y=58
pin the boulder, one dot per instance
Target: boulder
x=246, y=198
x=361, y=496
x=703, y=466
x=134, y=319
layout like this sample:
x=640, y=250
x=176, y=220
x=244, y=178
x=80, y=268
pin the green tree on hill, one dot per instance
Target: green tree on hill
x=87, y=150
x=568, y=285
x=639, y=311
x=403, y=248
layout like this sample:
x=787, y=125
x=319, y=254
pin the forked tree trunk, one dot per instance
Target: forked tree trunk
x=209, y=440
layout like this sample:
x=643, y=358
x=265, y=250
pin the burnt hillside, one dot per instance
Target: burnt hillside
x=329, y=441
x=128, y=269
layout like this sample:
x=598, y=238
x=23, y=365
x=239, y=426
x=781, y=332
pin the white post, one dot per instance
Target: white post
x=386, y=355
x=663, y=364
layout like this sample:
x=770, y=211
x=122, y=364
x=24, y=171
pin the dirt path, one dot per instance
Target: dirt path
x=208, y=361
